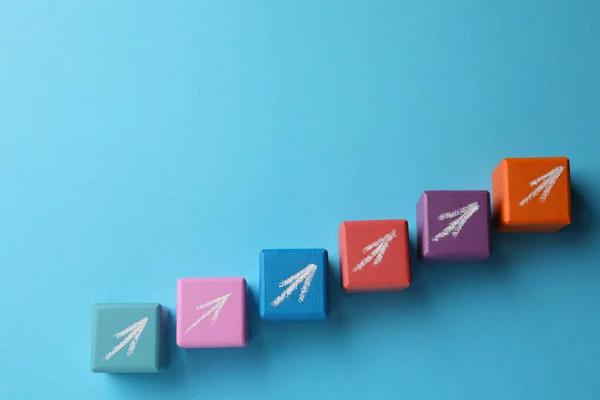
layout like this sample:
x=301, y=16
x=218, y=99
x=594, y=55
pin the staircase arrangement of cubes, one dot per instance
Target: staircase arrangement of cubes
x=528, y=195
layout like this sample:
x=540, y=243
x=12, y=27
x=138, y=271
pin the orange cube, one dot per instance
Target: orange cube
x=374, y=255
x=532, y=194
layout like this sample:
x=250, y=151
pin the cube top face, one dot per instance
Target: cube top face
x=126, y=338
x=211, y=312
x=375, y=255
x=454, y=225
x=293, y=284
x=532, y=194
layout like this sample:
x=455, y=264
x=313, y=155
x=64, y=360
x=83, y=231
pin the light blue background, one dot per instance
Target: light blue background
x=142, y=142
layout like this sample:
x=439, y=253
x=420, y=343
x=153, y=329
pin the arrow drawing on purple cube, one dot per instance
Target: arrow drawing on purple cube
x=544, y=183
x=377, y=249
x=462, y=215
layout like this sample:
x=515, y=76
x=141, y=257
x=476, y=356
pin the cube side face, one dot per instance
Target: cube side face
x=343, y=255
x=459, y=226
x=499, y=195
x=422, y=228
x=126, y=338
x=293, y=284
x=539, y=194
x=377, y=256
x=211, y=312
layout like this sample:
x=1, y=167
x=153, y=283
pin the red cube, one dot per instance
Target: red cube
x=374, y=255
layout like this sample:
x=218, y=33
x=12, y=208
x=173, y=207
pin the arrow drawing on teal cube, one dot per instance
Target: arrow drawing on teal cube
x=126, y=338
x=293, y=284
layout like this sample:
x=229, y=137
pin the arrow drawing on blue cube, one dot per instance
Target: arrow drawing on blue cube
x=305, y=275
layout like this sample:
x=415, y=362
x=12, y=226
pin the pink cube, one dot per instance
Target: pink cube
x=211, y=312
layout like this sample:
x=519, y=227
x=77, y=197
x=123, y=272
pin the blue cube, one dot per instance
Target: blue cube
x=293, y=284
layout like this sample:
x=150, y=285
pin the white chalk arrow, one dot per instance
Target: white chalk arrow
x=292, y=283
x=377, y=249
x=133, y=332
x=217, y=305
x=544, y=183
x=462, y=215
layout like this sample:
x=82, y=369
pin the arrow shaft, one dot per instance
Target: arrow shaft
x=133, y=343
x=133, y=332
x=377, y=248
x=545, y=184
x=206, y=314
x=120, y=346
x=450, y=215
x=551, y=181
x=446, y=231
x=215, y=311
x=306, y=285
x=542, y=178
x=217, y=305
x=297, y=276
x=305, y=275
x=382, y=240
x=462, y=215
x=380, y=252
x=288, y=291
x=545, y=193
x=127, y=330
x=219, y=301
x=531, y=195
x=377, y=252
x=372, y=246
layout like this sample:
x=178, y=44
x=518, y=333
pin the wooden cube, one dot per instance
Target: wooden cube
x=293, y=284
x=374, y=255
x=532, y=194
x=126, y=338
x=211, y=312
x=454, y=225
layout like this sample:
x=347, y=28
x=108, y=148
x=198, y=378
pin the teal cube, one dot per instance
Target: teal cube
x=126, y=338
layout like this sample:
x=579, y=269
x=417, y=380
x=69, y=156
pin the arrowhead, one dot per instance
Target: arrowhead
x=216, y=310
x=133, y=328
x=377, y=248
x=310, y=272
x=133, y=332
x=305, y=275
x=299, y=276
x=217, y=305
x=462, y=215
x=544, y=183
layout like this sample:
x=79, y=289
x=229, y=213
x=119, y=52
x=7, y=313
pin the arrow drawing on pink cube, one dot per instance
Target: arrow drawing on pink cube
x=217, y=304
x=133, y=332
x=377, y=249
x=545, y=184
x=292, y=283
x=462, y=215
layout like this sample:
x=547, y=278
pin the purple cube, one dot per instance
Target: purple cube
x=454, y=225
